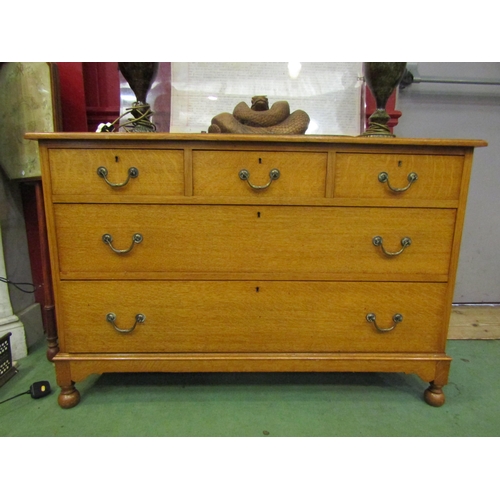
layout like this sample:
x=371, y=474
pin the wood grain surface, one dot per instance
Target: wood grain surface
x=75, y=172
x=251, y=316
x=285, y=241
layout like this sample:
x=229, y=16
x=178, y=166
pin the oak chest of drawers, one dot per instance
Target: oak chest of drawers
x=187, y=252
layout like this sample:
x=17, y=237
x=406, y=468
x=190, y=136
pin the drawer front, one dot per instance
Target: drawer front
x=217, y=173
x=357, y=176
x=74, y=172
x=255, y=239
x=212, y=316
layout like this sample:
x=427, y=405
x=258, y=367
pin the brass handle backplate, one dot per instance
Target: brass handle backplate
x=384, y=177
x=111, y=317
x=108, y=239
x=397, y=318
x=378, y=242
x=244, y=175
x=133, y=172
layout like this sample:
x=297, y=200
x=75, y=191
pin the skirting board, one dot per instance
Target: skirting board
x=475, y=322
x=31, y=318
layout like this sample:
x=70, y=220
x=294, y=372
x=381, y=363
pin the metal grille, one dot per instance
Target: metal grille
x=6, y=367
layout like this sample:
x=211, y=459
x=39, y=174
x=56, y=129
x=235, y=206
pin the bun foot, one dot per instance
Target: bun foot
x=434, y=395
x=69, y=397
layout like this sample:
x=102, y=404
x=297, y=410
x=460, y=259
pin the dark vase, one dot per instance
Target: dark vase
x=140, y=77
x=382, y=79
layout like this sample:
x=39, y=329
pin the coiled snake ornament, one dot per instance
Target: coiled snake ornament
x=260, y=119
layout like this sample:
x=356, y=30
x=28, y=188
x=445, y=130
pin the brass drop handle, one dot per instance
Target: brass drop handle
x=108, y=239
x=274, y=174
x=111, y=317
x=397, y=318
x=384, y=177
x=379, y=242
x=133, y=172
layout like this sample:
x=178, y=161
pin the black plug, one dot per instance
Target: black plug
x=40, y=389
x=37, y=390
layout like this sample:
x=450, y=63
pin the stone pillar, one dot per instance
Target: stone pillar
x=9, y=322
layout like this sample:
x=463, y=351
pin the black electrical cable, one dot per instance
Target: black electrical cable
x=16, y=396
x=18, y=285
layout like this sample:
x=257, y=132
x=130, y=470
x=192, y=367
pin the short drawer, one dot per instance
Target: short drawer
x=392, y=176
x=75, y=171
x=292, y=242
x=250, y=316
x=233, y=173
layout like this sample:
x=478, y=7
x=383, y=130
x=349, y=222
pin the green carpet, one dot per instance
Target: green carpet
x=262, y=404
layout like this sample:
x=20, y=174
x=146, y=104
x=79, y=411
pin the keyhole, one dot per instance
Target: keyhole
x=258, y=214
x=400, y=163
x=260, y=160
x=116, y=159
x=257, y=289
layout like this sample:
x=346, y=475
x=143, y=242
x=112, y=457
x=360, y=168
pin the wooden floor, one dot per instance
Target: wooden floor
x=475, y=322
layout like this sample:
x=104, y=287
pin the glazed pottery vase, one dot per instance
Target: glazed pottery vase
x=140, y=77
x=382, y=79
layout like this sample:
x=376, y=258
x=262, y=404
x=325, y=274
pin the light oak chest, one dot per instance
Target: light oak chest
x=187, y=252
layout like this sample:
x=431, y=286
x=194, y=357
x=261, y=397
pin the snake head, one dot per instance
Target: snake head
x=260, y=103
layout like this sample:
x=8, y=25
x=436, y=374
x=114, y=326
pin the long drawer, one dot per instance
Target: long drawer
x=157, y=172
x=407, y=177
x=291, y=241
x=250, y=316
